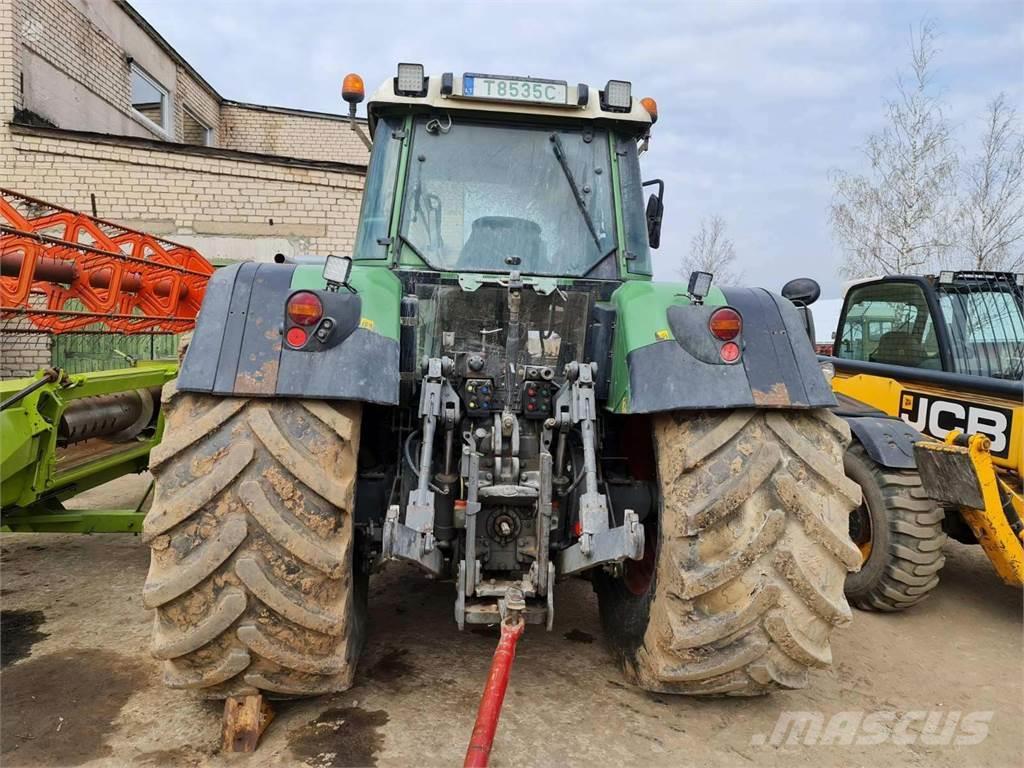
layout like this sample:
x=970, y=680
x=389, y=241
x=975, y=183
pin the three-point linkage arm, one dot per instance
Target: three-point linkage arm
x=414, y=539
x=598, y=543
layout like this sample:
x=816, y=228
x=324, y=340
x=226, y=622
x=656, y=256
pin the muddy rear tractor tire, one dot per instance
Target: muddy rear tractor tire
x=898, y=530
x=745, y=582
x=251, y=536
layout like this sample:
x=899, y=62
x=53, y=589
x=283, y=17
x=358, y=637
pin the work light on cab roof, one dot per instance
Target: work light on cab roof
x=475, y=91
x=410, y=80
x=617, y=96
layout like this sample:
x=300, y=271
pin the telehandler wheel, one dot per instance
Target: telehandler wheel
x=898, y=530
x=750, y=553
x=252, y=569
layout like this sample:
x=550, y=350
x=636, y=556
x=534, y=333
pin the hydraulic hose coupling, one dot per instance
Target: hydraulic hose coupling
x=479, y=751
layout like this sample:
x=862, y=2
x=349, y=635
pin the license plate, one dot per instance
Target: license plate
x=495, y=88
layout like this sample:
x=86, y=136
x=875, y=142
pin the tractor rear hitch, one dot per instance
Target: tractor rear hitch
x=512, y=626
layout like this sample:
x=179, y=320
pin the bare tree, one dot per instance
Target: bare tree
x=992, y=210
x=897, y=218
x=711, y=251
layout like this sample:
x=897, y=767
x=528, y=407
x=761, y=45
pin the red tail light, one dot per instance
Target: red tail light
x=296, y=337
x=730, y=352
x=725, y=324
x=304, y=308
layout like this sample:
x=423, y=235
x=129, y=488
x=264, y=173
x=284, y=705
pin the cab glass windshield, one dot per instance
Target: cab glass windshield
x=489, y=198
x=986, y=329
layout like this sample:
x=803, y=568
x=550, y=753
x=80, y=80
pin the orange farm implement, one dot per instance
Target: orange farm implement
x=66, y=272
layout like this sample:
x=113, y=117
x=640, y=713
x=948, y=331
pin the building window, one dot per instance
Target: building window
x=194, y=130
x=150, y=100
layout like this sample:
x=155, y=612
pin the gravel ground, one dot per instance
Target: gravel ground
x=79, y=688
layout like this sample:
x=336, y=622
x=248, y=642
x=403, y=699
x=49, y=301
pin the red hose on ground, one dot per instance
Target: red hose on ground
x=479, y=751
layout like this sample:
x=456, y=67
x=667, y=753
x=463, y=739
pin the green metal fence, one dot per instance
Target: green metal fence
x=85, y=352
x=94, y=348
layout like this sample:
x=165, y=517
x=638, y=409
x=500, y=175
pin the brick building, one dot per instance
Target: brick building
x=94, y=102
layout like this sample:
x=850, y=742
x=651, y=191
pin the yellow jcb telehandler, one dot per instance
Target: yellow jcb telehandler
x=945, y=354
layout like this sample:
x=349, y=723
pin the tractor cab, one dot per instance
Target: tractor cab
x=490, y=174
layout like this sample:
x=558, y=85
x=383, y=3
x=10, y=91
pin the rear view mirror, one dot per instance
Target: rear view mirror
x=802, y=291
x=655, y=210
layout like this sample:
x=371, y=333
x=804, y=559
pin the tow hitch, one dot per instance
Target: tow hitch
x=512, y=626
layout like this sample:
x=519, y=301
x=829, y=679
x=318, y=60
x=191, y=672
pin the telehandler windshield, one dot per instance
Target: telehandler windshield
x=986, y=325
x=488, y=198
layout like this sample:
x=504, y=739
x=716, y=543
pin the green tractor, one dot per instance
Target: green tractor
x=494, y=389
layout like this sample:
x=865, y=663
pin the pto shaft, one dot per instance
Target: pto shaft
x=479, y=751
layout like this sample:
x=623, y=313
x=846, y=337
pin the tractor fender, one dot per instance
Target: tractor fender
x=665, y=358
x=238, y=347
x=888, y=441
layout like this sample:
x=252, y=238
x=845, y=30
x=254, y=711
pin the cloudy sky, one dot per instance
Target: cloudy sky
x=758, y=100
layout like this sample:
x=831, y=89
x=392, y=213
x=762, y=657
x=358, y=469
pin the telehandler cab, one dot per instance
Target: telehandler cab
x=494, y=389
x=945, y=354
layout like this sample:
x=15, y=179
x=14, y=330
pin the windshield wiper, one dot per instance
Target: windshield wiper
x=556, y=145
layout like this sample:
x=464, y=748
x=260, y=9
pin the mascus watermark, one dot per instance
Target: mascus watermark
x=935, y=727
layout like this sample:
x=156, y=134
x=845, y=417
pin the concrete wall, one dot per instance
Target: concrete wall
x=75, y=64
x=275, y=131
x=10, y=65
x=64, y=101
x=200, y=102
x=77, y=74
x=227, y=205
x=22, y=353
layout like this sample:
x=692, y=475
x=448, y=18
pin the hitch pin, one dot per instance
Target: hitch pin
x=512, y=625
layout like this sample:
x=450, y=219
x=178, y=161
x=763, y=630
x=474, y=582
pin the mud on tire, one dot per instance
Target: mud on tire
x=752, y=553
x=906, y=536
x=251, y=537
